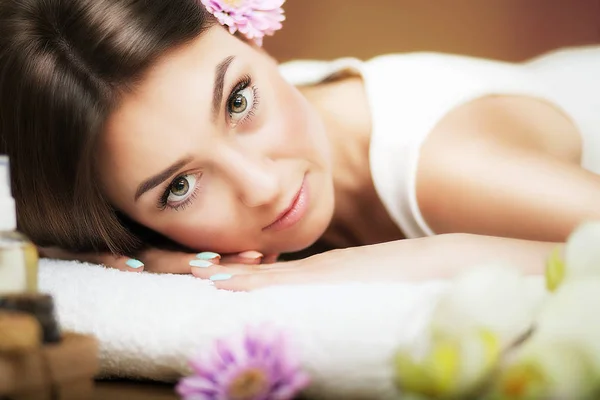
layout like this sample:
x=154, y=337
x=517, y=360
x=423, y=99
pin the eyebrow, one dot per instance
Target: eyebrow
x=159, y=178
x=220, y=72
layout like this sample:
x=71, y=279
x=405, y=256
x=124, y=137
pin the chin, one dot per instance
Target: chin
x=311, y=230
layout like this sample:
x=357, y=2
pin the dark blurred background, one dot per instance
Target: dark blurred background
x=502, y=29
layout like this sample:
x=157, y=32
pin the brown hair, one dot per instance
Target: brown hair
x=63, y=66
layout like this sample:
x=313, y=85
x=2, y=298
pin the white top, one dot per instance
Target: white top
x=410, y=93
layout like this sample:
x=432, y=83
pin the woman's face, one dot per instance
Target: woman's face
x=214, y=147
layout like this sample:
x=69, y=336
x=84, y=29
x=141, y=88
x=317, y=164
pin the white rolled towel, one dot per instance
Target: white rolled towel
x=148, y=325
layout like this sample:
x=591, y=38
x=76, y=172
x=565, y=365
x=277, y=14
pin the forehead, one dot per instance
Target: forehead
x=175, y=92
x=182, y=74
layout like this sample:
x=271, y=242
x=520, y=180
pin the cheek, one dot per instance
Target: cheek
x=213, y=226
x=302, y=128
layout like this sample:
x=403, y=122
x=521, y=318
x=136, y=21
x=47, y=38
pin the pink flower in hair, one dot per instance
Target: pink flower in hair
x=253, y=18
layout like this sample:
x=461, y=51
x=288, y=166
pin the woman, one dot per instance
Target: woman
x=147, y=124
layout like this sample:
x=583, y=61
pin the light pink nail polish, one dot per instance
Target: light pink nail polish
x=252, y=255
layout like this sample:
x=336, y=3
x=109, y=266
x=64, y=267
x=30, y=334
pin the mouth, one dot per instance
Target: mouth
x=294, y=212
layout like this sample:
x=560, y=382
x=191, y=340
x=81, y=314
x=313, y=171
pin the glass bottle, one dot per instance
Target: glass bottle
x=18, y=256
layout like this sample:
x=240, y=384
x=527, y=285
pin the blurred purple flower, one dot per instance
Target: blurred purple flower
x=257, y=365
x=253, y=18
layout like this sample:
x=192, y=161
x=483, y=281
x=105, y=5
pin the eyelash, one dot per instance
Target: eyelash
x=163, y=202
x=243, y=83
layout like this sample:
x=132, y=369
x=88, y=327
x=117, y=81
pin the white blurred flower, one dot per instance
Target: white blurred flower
x=581, y=257
x=452, y=367
x=545, y=369
x=477, y=328
x=495, y=298
x=561, y=360
x=482, y=313
x=571, y=314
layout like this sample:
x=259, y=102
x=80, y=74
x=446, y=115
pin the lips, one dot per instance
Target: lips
x=294, y=212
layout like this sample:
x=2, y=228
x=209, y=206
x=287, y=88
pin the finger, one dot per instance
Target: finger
x=230, y=277
x=121, y=263
x=108, y=260
x=171, y=262
x=216, y=271
x=246, y=257
x=270, y=258
x=251, y=281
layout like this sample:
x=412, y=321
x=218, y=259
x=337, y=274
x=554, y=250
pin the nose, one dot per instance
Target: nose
x=254, y=178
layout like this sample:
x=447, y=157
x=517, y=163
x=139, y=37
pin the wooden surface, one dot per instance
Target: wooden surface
x=129, y=390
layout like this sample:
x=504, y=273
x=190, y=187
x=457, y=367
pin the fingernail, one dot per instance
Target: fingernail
x=133, y=263
x=220, y=277
x=208, y=255
x=252, y=255
x=201, y=263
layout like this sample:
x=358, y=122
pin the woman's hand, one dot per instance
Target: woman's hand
x=330, y=267
x=162, y=261
x=436, y=257
x=375, y=263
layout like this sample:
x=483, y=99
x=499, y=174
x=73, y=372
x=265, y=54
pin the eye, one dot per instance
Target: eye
x=240, y=104
x=181, y=188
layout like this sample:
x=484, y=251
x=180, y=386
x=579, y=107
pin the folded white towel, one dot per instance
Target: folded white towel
x=148, y=325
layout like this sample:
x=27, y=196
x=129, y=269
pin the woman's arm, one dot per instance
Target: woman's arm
x=436, y=257
x=506, y=167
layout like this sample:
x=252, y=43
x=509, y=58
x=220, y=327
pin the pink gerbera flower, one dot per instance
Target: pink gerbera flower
x=253, y=18
x=257, y=365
